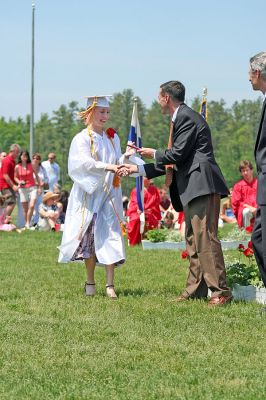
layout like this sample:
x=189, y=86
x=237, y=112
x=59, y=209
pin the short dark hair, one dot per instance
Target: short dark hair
x=169, y=215
x=244, y=164
x=27, y=154
x=175, y=89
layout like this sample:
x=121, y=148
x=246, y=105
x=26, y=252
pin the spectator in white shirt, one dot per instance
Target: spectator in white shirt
x=53, y=171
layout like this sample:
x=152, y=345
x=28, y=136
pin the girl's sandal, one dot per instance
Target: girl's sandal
x=90, y=289
x=110, y=292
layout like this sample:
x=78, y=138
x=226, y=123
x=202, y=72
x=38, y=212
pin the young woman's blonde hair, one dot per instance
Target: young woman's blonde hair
x=88, y=112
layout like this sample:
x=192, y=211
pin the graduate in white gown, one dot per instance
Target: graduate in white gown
x=94, y=217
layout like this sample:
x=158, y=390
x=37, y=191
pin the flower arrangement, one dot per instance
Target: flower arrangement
x=156, y=235
x=244, y=272
x=163, y=235
x=173, y=236
x=236, y=234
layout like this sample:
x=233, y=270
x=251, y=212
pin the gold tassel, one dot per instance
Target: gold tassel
x=83, y=114
x=123, y=229
x=92, y=142
x=79, y=237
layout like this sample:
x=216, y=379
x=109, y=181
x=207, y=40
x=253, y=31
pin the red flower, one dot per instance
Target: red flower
x=248, y=252
x=241, y=248
x=111, y=132
x=184, y=254
x=249, y=229
x=250, y=244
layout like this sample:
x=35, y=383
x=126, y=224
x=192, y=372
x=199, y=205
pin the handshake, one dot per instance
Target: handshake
x=129, y=169
x=123, y=169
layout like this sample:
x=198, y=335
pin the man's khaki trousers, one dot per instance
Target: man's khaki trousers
x=206, y=268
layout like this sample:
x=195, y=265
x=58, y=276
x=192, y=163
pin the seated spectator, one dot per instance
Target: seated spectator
x=5, y=220
x=168, y=221
x=62, y=202
x=226, y=212
x=178, y=221
x=175, y=214
x=164, y=201
x=57, y=190
x=48, y=212
x=244, y=194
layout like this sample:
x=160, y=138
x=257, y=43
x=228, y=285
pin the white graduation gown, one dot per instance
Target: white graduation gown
x=89, y=196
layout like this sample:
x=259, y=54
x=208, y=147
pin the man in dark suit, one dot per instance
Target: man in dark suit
x=257, y=77
x=197, y=186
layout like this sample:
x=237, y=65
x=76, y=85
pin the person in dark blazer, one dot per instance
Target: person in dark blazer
x=257, y=78
x=196, y=187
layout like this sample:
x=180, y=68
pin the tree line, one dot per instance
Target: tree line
x=233, y=131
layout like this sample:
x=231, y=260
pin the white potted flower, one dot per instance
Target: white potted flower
x=243, y=276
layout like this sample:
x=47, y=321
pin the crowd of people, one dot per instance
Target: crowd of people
x=198, y=195
x=33, y=187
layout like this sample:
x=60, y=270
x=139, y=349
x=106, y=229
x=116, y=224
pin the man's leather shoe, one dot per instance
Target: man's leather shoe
x=220, y=301
x=179, y=299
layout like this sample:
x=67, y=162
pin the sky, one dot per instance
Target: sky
x=85, y=48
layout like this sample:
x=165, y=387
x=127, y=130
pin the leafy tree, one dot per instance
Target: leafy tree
x=65, y=126
x=14, y=131
x=156, y=132
x=45, y=136
x=121, y=107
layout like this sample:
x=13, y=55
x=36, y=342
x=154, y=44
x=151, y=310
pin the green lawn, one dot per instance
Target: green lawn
x=58, y=344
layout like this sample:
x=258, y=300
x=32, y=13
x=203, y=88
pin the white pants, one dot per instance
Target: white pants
x=27, y=194
x=247, y=216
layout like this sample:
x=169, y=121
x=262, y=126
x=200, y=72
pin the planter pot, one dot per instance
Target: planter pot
x=249, y=293
x=233, y=244
x=147, y=245
x=261, y=295
x=226, y=245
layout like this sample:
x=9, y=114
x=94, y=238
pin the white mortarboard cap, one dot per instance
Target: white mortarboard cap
x=102, y=101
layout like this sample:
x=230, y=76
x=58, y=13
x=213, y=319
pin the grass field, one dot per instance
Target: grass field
x=58, y=344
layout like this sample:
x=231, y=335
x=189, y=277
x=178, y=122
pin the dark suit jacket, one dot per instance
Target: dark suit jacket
x=196, y=173
x=260, y=157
